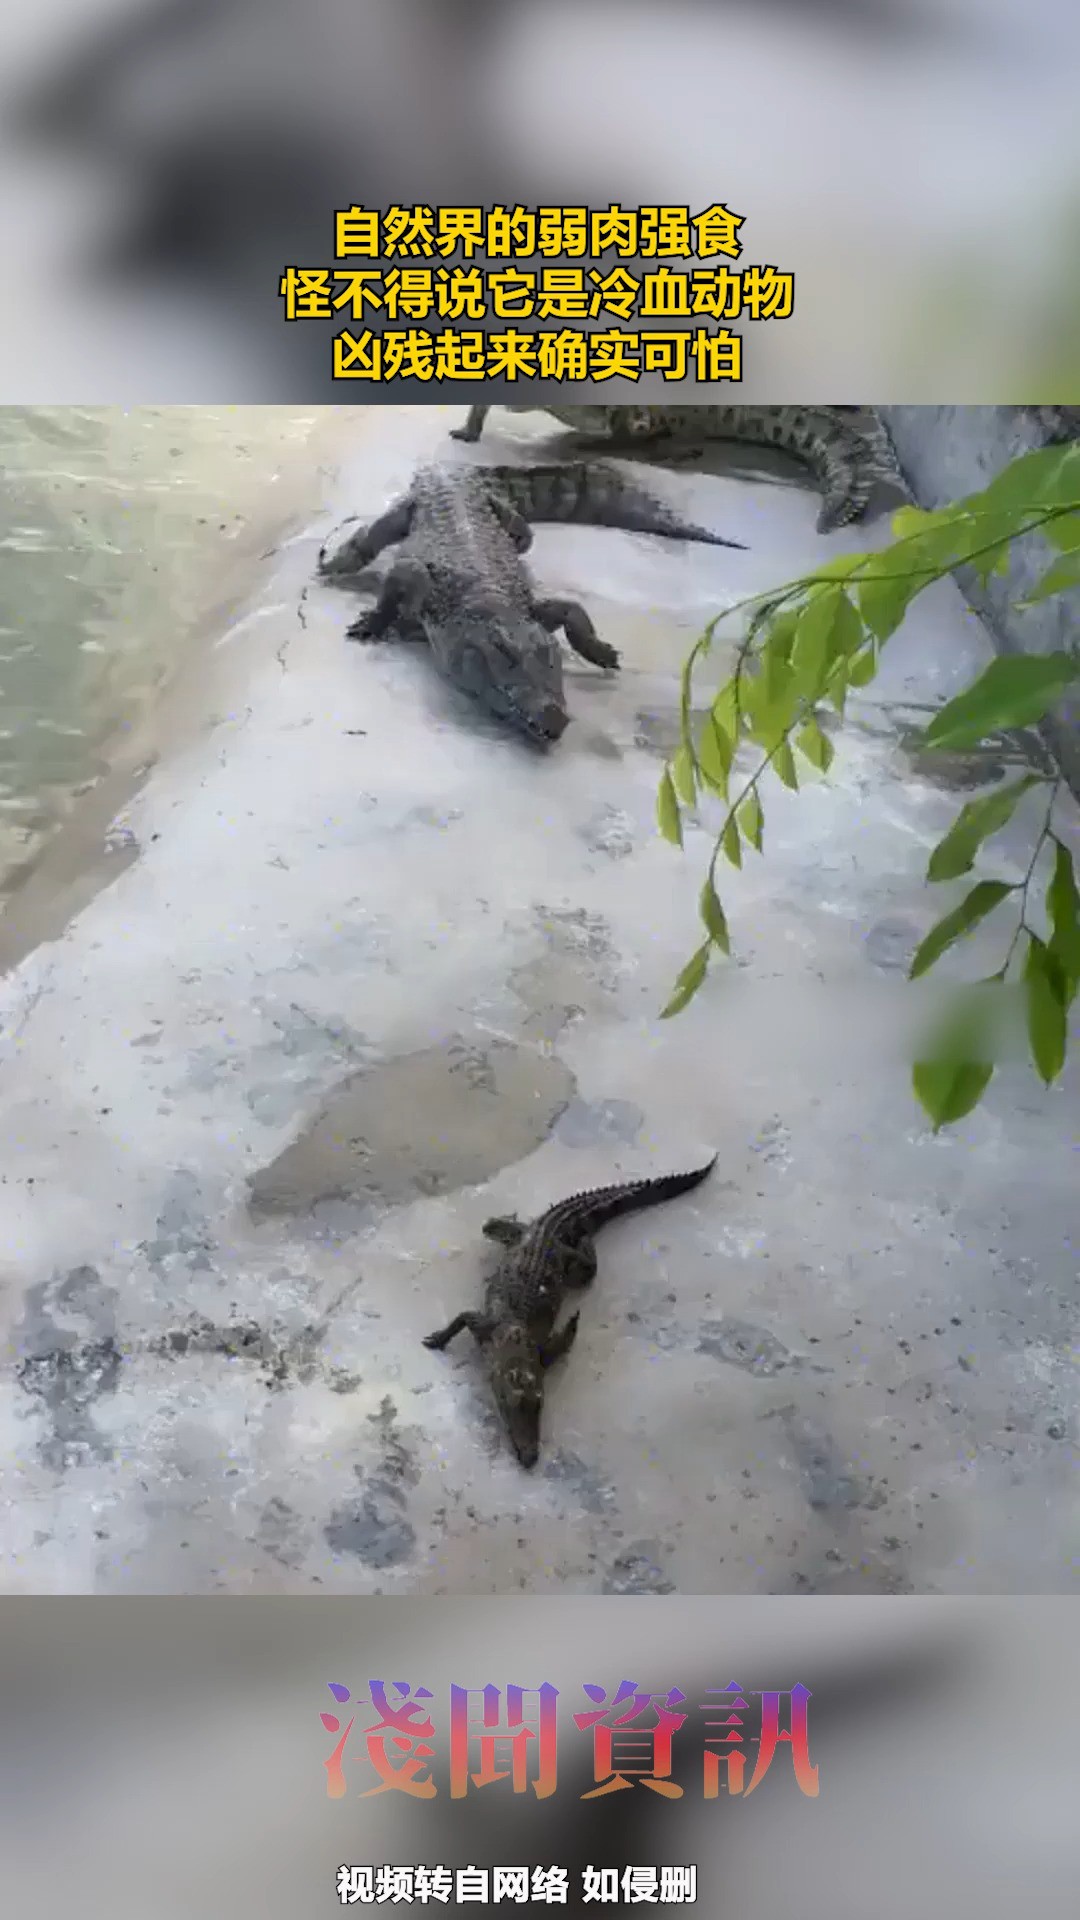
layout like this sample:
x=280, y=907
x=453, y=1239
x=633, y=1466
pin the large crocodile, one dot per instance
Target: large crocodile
x=848, y=451
x=516, y=1328
x=459, y=581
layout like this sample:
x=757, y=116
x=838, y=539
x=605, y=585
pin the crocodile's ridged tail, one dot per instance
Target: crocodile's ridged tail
x=846, y=449
x=854, y=458
x=846, y=479
x=595, y=1209
x=596, y=495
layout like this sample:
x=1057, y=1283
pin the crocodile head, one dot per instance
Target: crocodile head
x=638, y=422
x=515, y=672
x=517, y=1382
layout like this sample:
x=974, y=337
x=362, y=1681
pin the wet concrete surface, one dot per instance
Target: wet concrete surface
x=377, y=973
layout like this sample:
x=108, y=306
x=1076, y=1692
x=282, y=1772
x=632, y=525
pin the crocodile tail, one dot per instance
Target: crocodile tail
x=846, y=476
x=608, y=1203
x=596, y=495
x=856, y=460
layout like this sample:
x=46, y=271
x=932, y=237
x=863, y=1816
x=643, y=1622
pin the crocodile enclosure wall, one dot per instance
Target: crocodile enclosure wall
x=950, y=451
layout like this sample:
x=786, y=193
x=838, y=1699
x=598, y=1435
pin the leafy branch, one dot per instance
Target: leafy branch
x=807, y=646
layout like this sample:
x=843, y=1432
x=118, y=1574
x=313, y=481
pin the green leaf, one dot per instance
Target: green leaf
x=962, y=920
x=775, y=656
x=812, y=651
x=849, y=633
x=887, y=589
x=697, y=651
x=948, y=1090
x=726, y=711
x=1046, y=1013
x=682, y=774
x=972, y=1023
x=986, y=543
x=712, y=915
x=884, y=602
x=841, y=567
x=955, y=854
x=752, y=820
x=1048, y=477
x=1015, y=691
x=909, y=520
x=864, y=666
x=1063, y=533
x=785, y=767
x=731, y=844
x=1063, y=907
x=767, y=720
x=779, y=626
x=688, y=981
x=815, y=746
x=715, y=754
x=667, y=811
x=836, y=688
x=1058, y=578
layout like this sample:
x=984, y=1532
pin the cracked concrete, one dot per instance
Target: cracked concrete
x=373, y=973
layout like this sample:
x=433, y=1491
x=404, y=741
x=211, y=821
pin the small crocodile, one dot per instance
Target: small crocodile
x=459, y=580
x=516, y=1328
x=847, y=450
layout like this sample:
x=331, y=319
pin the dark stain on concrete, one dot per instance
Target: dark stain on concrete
x=595, y=1495
x=580, y=936
x=590, y=1123
x=182, y=1233
x=864, y=1574
x=638, y=1570
x=830, y=1483
x=377, y=1536
x=421, y=1123
x=773, y=1141
x=738, y=1343
x=659, y=730
x=428, y=816
x=609, y=831
x=281, y=1534
x=279, y=1355
x=313, y=1045
x=573, y=974
x=891, y=943
x=374, y=1526
x=69, y=1368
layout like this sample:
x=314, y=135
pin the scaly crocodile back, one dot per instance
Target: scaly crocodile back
x=596, y=495
x=847, y=454
x=587, y=1212
x=455, y=529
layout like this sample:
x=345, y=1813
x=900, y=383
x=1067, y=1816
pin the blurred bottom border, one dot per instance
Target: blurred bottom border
x=275, y=1755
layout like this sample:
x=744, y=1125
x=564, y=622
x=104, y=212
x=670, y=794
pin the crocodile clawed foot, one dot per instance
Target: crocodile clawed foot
x=363, y=629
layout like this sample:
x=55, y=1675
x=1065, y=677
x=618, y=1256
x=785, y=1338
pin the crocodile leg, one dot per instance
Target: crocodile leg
x=504, y=1228
x=358, y=551
x=476, y=1323
x=578, y=628
x=560, y=1343
x=401, y=600
x=579, y=1264
x=474, y=426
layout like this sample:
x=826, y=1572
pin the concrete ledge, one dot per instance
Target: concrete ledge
x=947, y=452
